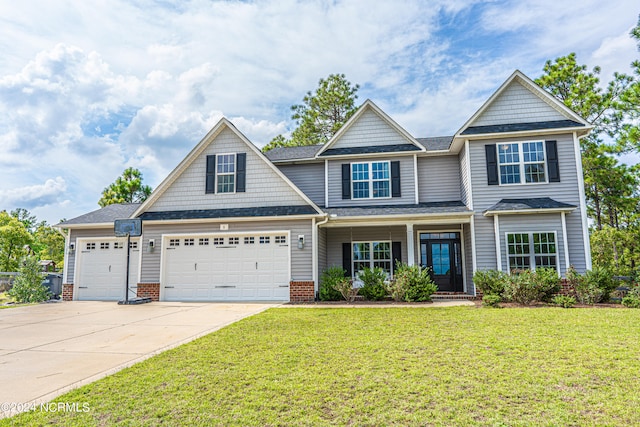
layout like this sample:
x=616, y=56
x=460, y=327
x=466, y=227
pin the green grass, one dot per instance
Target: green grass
x=384, y=366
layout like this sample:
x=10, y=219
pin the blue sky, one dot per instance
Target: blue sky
x=90, y=88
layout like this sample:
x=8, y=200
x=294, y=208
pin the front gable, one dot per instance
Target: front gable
x=369, y=131
x=194, y=184
x=520, y=105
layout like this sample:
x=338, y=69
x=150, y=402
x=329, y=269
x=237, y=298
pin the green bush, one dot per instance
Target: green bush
x=602, y=279
x=28, y=285
x=564, y=301
x=412, y=283
x=592, y=287
x=632, y=299
x=328, y=280
x=373, y=286
x=522, y=288
x=491, y=300
x=490, y=282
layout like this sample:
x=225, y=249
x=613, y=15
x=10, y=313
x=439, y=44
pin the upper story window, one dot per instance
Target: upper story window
x=522, y=162
x=370, y=180
x=225, y=173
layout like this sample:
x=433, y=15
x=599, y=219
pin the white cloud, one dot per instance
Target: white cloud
x=33, y=196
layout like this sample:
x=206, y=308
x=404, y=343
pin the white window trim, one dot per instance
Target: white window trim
x=532, y=254
x=371, y=260
x=235, y=173
x=370, y=180
x=521, y=163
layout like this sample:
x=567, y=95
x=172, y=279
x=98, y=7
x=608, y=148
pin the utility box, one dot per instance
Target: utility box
x=53, y=282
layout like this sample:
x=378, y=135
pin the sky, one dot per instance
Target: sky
x=89, y=88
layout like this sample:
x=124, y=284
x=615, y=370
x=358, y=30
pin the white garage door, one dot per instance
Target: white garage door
x=246, y=267
x=102, y=266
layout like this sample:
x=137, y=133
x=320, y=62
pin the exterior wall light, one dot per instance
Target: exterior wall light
x=300, y=241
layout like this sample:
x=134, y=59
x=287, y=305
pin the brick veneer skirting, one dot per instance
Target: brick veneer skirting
x=149, y=290
x=301, y=291
x=67, y=292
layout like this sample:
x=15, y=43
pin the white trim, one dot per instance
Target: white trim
x=462, y=248
x=467, y=155
x=496, y=230
x=67, y=240
x=368, y=104
x=370, y=180
x=231, y=219
x=235, y=174
x=529, y=211
x=464, y=259
x=415, y=178
x=532, y=254
x=371, y=259
x=472, y=225
x=522, y=164
x=326, y=183
x=583, y=202
x=565, y=241
x=417, y=219
x=316, y=251
x=411, y=255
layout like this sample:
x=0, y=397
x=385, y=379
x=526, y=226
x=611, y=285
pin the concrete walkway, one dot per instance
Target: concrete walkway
x=49, y=349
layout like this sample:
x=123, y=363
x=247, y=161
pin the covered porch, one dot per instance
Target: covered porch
x=438, y=237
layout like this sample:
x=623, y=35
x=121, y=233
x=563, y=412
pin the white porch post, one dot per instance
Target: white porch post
x=410, y=245
x=496, y=230
x=565, y=242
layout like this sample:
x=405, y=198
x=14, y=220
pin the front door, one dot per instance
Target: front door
x=442, y=253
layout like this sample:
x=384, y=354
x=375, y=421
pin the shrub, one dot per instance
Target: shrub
x=28, y=285
x=564, y=301
x=346, y=289
x=602, y=279
x=373, y=287
x=593, y=287
x=523, y=289
x=632, y=300
x=412, y=283
x=328, y=281
x=491, y=300
x=549, y=282
x=490, y=282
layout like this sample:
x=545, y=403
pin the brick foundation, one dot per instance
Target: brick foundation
x=149, y=290
x=67, y=292
x=301, y=291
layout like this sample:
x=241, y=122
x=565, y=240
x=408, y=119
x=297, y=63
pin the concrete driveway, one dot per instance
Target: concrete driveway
x=48, y=349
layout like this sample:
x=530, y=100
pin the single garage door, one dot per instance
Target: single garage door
x=244, y=267
x=102, y=266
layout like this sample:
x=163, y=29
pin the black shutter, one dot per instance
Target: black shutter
x=395, y=179
x=210, y=186
x=552, y=161
x=396, y=253
x=346, y=258
x=346, y=181
x=241, y=168
x=492, y=164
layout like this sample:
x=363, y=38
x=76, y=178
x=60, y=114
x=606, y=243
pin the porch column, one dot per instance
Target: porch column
x=410, y=245
x=565, y=243
x=496, y=230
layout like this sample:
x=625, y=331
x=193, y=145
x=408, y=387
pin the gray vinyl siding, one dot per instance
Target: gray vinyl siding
x=485, y=196
x=309, y=178
x=82, y=234
x=438, y=179
x=465, y=185
x=264, y=187
x=322, y=252
x=369, y=130
x=301, y=259
x=407, y=183
x=517, y=104
x=337, y=236
x=532, y=223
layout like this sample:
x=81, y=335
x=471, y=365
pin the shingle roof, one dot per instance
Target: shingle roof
x=515, y=127
x=104, y=215
x=369, y=149
x=506, y=205
x=383, y=210
x=436, y=142
x=229, y=213
x=293, y=153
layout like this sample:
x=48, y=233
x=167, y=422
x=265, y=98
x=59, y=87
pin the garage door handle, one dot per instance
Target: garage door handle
x=225, y=286
x=283, y=286
x=83, y=287
x=169, y=287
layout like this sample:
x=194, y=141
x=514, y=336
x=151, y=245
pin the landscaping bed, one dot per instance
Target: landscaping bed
x=457, y=366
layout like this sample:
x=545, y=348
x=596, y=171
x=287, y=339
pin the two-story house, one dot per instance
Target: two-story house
x=231, y=223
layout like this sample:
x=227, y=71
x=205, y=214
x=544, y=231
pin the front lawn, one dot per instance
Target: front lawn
x=382, y=366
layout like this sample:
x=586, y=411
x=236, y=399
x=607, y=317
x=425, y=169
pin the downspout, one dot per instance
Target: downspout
x=314, y=236
x=66, y=235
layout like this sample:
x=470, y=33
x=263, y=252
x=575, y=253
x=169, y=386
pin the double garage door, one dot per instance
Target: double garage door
x=226, y=267
x=102, y=266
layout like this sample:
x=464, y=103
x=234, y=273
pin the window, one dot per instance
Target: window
x=118, y=245
x=264, y=239
x=90, y=246
x=281, y=239
x=371, y=254
x=234, y=240
x=226, y=173
x=532, y=250
x=521, y=159
x=104, y=245
x=133, y=245
x=203, y=241
x=174, y=242
x=370, y=180
x=188, y=242
x=249, y=240
x=218, y=241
